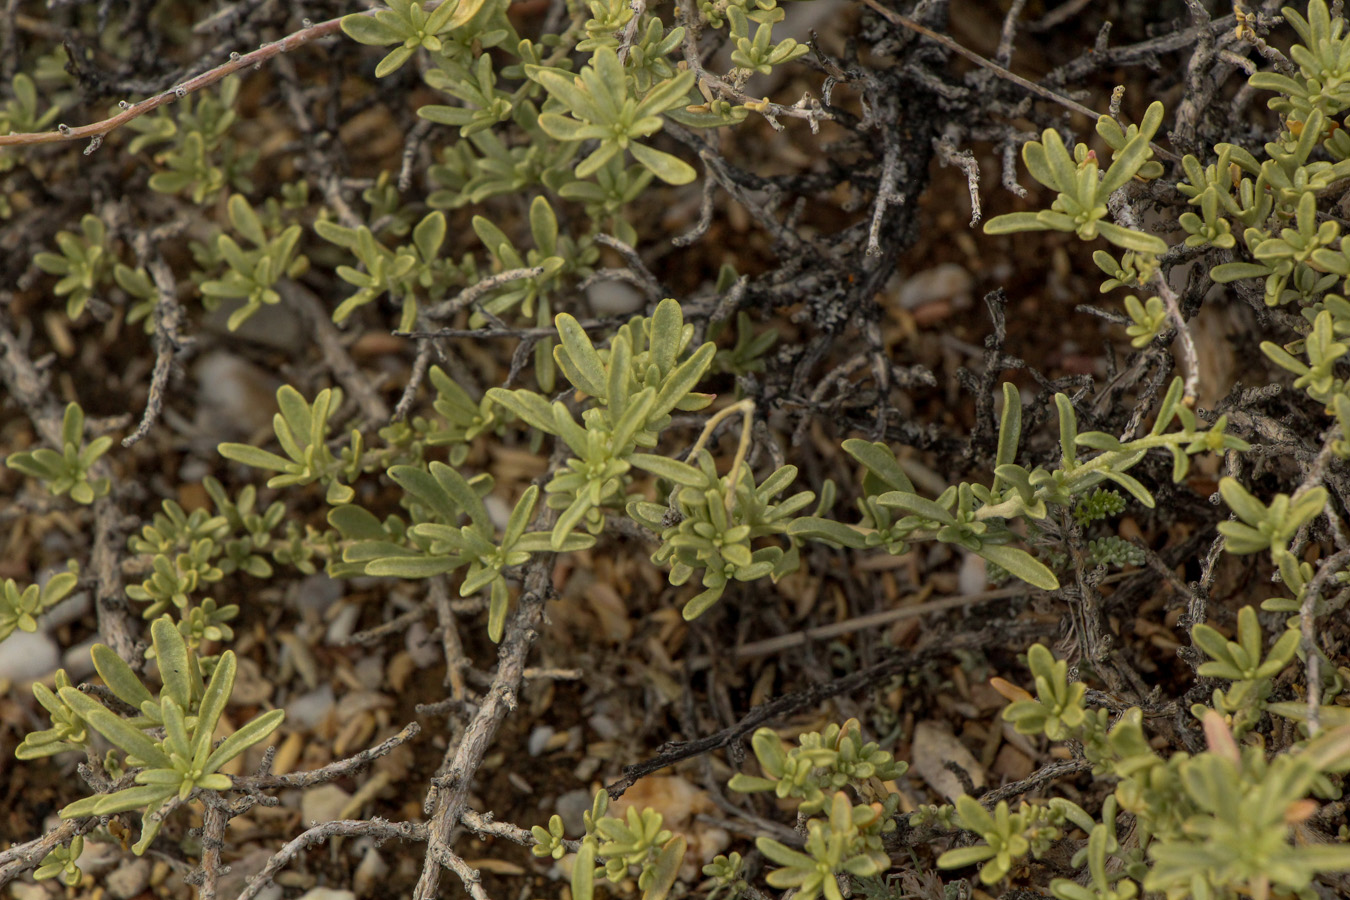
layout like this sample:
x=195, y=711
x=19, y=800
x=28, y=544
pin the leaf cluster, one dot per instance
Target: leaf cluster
x=67, y=470
x=169, y=743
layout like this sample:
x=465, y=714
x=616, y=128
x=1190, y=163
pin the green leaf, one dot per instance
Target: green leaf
x=1020, y=564
x=665, y=869
x=1130, y=239
x=577, y=357
x=214, y=699
x=965, y=856
x=916, y=505
x=413, y=566
x=253, y=456
x=1012, y=223
x=583, y=872
x=818, y=529
x=391, y=63
x=880, y=460
x=1226, y=272
x=429, y=235
x=667, y=326
x=527, y=406
x=252, y=733
x=464, y=11
x=671, y=470
x=463, y=494
x=125, y=736
x=366, y=29
x=668, y=168
x=520, y=516
x=171, y=655
x=497, y=607
x=683, y=379
x=119, y=677
x=702, y=602
x=245, y=220
x=140, y=797
x=1247, y=507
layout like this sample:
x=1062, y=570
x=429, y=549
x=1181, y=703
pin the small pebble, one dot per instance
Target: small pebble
x=946, y=281
x=972, y=578
x=235, y=398
x=77, y=662
x=26, y=656
x=129, y=880
x=343, y=624
x=368, y=879
x=318, y=591
x=934, y=746
x=614, y=298
x=323, y=804
x=423, y=650
x=497, y=510
x=539, y=739
x=308, y=710
x=570, y=807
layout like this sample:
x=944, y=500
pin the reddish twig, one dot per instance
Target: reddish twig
x=97, y=130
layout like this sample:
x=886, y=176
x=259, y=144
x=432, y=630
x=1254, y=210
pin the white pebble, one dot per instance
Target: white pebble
x=308, y=710
x=323, y=804
x=130, y=879
x=972, y=578
x=325, y=893
x=947, y=281
x=77, y=662
x=28, y=656
x=370, y=873
x=614, y=298
x=343, y=623
x=423, y=650
x=539, y=739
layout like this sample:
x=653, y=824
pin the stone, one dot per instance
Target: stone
x=323, y=804
x=28, y=656
x=129, y=879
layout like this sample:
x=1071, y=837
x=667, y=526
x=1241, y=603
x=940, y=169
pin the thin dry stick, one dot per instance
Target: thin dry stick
x=470, y=295
x=330, y=772
x=905, y=22
x=455, y=660
x=1330, y=567
x=213, y=840
x=471, y=877
x=169, y=340
x=746, y=408
x=21, y=857
x=464, y=758
x=379, y=829
x=483, y=824
x=96, y=131
x=1190, y=358
x=806, y=636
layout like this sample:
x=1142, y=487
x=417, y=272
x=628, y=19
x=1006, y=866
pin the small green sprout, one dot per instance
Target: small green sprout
x=67, y=470
x=302, y=429
x=1080, y=204
x=63, y=863
x=1148, y=318
x=409, y=25
x=20, y=608
x=85, y=263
